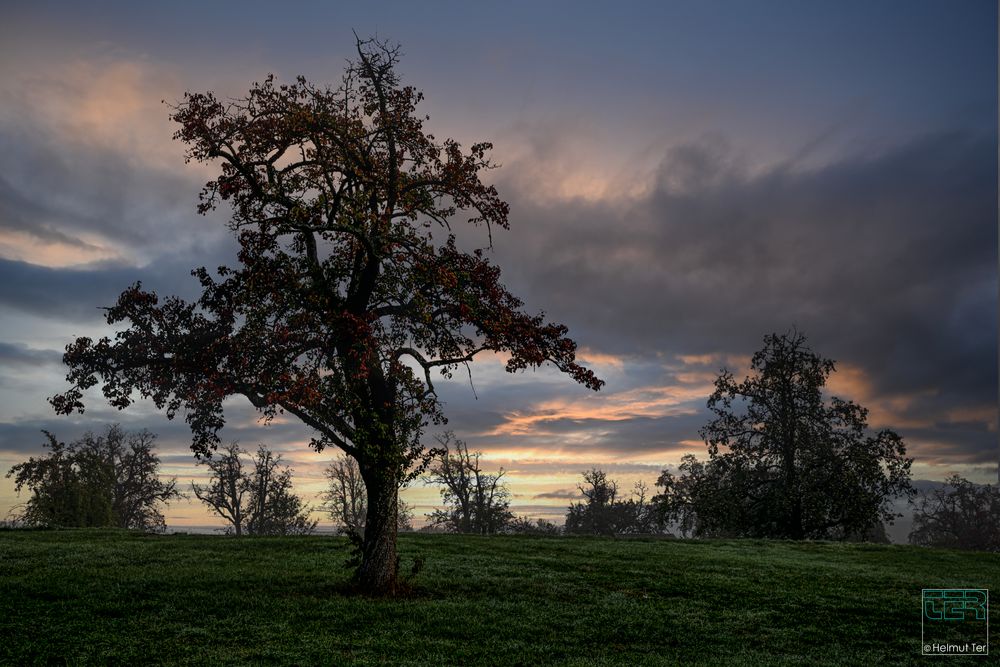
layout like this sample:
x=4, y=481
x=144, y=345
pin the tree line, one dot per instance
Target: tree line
x=342, y=308
x=784, y=461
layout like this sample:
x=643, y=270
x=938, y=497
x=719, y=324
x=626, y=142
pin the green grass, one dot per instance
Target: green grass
x=100, y=597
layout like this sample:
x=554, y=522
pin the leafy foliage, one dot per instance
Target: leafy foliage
x=603, y=513
x=258, y=501
x=783, y=462
x=108, y=480
x=522, y=525
x=475, y=501
x=961, y=515
x=344, y=303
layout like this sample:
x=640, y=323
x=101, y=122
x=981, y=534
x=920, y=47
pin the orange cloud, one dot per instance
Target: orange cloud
x=984, y=414
x=735, y=362
x=55, y=253
x=569, y=159
x=639, y=402
x=884, y=411
x=698, y=359
x=587, y=356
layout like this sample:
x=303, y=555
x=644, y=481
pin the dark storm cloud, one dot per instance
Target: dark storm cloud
x=23, y=213
x=79, y=294
x=55, y=187
x=17, y=354
x=559, y=494
x=888, y=262
x=86, y=216
x=24, y=437
x=67, y=294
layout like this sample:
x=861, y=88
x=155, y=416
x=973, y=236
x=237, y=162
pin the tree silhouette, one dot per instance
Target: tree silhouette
x=783, y=462
x=344, y=302
x=256, y=500
x=475, y=501
x=603, y=512
x=960, y=515
x=105, y=480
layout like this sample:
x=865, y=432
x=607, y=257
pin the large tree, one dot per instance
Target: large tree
x=959, y=515
x=344, y=302
x=785, y=461
x=98, y=480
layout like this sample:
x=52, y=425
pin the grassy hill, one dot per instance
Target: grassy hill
x=99, y=597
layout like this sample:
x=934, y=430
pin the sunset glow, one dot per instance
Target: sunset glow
x=671, y=202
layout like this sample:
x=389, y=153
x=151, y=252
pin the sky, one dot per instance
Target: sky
x=683, y=178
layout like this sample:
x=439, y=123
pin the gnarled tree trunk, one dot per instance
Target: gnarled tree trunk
x=379, y=568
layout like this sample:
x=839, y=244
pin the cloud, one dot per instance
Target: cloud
x=559, y=494
x=666, y=268
x=105, y=102
x=89, y=172
x=887, y=261
x=20, y=355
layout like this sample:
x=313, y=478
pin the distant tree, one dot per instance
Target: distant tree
x=256, y=501
x=475, y=501
x=347, y=503
x=14, y=519
x=137, y=490
x=700, y=485
x=782, y=461
x=602, y=512
x=640, y=515
x=960, y=515
x=108, y=480
x=522, y=525
x=596, y=513
x=344, y=302
x=228, y=490
x=404, y=516
x=274, y=509
x=61, y=493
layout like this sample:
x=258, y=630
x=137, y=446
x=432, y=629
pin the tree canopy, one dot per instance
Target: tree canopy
x=604, y=511
x=104, y=480
x=958, y=515
x=783, y=460
x=351, y=290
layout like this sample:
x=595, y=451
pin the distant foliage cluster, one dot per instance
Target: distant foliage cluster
x=784, y=462
x=522, y=525
x=475, y=501
x=604, y=512
x=109, y=480
x=959, y=515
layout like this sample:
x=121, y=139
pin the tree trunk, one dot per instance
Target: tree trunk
x=378, y=570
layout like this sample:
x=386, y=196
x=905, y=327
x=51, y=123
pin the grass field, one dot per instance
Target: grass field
x=100, y=597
